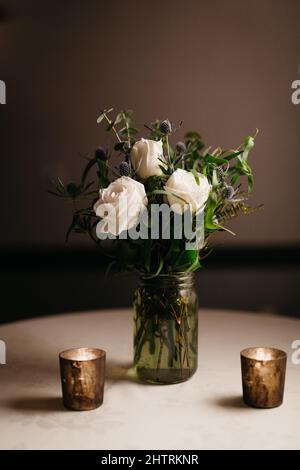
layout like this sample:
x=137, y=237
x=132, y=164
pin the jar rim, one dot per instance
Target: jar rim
x=180, y=278
x=166, y=275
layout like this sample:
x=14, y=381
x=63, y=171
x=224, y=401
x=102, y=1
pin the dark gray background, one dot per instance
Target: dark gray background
x=223, y=67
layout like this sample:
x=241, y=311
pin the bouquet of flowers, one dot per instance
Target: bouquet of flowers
x=153, y=172
x=158, y=208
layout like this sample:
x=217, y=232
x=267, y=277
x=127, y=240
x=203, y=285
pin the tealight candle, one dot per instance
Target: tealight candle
x=263, y=376
x=82, y=377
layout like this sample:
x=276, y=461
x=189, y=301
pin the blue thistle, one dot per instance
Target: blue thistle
x=101, y=154
x=165, y=127
x=124, y=169
x=72, y=189
x=180, y=147
x=228, y=192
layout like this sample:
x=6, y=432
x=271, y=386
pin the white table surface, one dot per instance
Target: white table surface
x=204, y=413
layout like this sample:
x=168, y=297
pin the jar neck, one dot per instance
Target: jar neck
x=180, y=279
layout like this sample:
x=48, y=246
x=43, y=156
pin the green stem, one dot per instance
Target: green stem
x=186, y=350
x=113, y=127
x=140, y=341
x=182, y=336
x=128, y=133
x=168, y=152
x=159, y=356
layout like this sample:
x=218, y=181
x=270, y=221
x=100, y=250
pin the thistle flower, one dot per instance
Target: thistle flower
x=165, y=127
x=72, y=189
x=228, y=192
x=180, y=147
x=124, y=169
x=101, y=154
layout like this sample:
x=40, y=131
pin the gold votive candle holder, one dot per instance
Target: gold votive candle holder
x=82, y=377
x=263, y=376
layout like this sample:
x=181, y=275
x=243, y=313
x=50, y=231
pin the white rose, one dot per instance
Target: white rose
x=120, y=205
x=182, y=188
x=145, y=156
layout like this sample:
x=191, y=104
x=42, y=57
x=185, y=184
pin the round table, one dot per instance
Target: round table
x=206, y=412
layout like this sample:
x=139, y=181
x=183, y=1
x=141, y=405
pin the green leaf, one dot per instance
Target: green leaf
x=159, y=269
x=110, y=126
x=87, y=186
x=196, y=265
x=215, y=181
x=232, y=155
x=164, y=170
x=119, y=146
x=196, y=176
x=102, y=174
x=216, y=160
x=209, y=213
x=119, y=118
x=186, y=257
x=250, y=182
x=103, y=113
x=130, y=130
x=133, y=130
x=234, y=179
x=187, y=261
x=100, y=118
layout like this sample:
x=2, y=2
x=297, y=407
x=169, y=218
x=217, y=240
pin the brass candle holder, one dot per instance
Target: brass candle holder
x=82, y=377
x=263, y=376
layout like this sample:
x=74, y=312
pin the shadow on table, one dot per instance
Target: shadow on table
x=116, y=371
x=235, y=401
x=38, y=404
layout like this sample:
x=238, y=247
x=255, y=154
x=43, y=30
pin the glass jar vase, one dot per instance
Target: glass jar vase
x=166, y=328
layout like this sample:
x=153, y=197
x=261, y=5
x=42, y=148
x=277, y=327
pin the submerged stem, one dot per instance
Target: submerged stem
x=159, y=357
